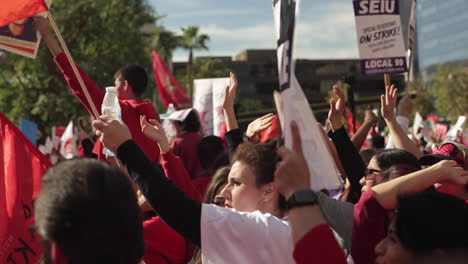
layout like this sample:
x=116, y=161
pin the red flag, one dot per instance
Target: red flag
x=169, y=88
x=21, y=168
x=13, y=10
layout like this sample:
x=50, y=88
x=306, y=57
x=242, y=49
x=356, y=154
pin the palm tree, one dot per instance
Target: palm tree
x=165, y=42
x=191, y=41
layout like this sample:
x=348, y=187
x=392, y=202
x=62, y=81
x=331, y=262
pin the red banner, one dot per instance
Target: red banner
x=13, y=10
x=170, y=90
x=21, y=168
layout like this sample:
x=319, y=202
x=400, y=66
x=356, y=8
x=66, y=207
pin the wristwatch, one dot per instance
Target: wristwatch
x=301, y=198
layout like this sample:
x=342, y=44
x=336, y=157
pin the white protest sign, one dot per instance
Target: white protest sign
x=452, y=134
x=208, y=100
x=219, y=93
x=323, y=172
x=379, y=35
x=417, y=123
x=203, y=103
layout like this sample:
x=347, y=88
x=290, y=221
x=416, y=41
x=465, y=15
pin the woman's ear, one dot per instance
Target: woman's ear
x=270, y=191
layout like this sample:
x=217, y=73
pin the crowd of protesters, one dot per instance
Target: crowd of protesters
x=247, y=198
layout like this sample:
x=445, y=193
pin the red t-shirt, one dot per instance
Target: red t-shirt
x=319, y=246
x=368, y=229
x=186, y=147
x=131, y=109
x=201, y=184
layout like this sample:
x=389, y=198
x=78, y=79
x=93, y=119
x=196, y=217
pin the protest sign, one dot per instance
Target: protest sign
x=20, y=37
x=208, y=100
x=323, y=172
x=452, y=134
x=67, y=142
x=379, y=35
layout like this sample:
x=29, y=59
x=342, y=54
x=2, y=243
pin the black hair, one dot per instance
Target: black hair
x=136, y=76
x=209, y=149
x=432, y=220
x=191, y=122
x=89, y=209
x=262, y=160
x=378, y=142
x=387, y=158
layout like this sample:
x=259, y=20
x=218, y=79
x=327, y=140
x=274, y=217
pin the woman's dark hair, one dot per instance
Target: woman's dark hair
x=209, y=149
x=88, y=207
x=432, y=220
x=191, y=122
x=387, y=158
x=396, y=171
x=262, y=159
x=220, y=178
x=136, y=76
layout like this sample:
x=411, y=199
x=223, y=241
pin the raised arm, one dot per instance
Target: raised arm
x=352, y=162
x=311, y=235
x=369, y=121
x=233, y=134
x=404, y=109
x=399, y=136
x=42, y=25
x=172, y=204
x=97, y=95
x=173, y=166
x=443, y=172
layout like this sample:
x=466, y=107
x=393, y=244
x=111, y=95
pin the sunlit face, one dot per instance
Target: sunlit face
x=241, y=192
x=390, y=250
x=374, y=175
x=119, y=87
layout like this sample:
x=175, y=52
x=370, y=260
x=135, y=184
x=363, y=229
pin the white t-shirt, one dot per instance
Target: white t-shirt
x=229, y=236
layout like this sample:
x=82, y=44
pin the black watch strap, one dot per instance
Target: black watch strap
x=301, y=198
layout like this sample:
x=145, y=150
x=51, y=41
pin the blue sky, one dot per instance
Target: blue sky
x=324, y=29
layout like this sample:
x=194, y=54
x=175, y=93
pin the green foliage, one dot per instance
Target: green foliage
x=424, y=100
x=205, y=68
x=191, y=40
x=102, y=35
x=250, y=105
x=450, y=91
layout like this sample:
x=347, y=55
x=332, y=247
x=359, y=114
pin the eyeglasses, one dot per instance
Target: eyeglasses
x=371, y=173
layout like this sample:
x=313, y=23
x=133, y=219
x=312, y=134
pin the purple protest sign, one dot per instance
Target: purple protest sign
x=384, y=65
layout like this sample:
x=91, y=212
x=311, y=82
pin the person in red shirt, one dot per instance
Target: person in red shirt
x=185, y=144
x=130, y=82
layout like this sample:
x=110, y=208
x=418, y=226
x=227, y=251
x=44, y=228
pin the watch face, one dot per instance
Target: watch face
x=305, y=196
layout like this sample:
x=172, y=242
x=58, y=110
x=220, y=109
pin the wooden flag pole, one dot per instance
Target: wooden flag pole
x=95, y=113
x=387, y=79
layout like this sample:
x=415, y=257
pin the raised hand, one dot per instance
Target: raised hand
x=337, y=108
x=111, y=132
x=292, y=173
x=388, y=102
x=154, y=131
x=258, y=125
x=231, y=90
x=370, y=117
x=450, y=172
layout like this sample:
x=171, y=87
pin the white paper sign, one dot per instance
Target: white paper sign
x=323, y=172
x=203, y=102
x=453, y=132
x=379, y=35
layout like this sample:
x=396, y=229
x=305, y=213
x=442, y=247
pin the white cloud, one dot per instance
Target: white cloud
x=215, y=12
x=322, y=31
